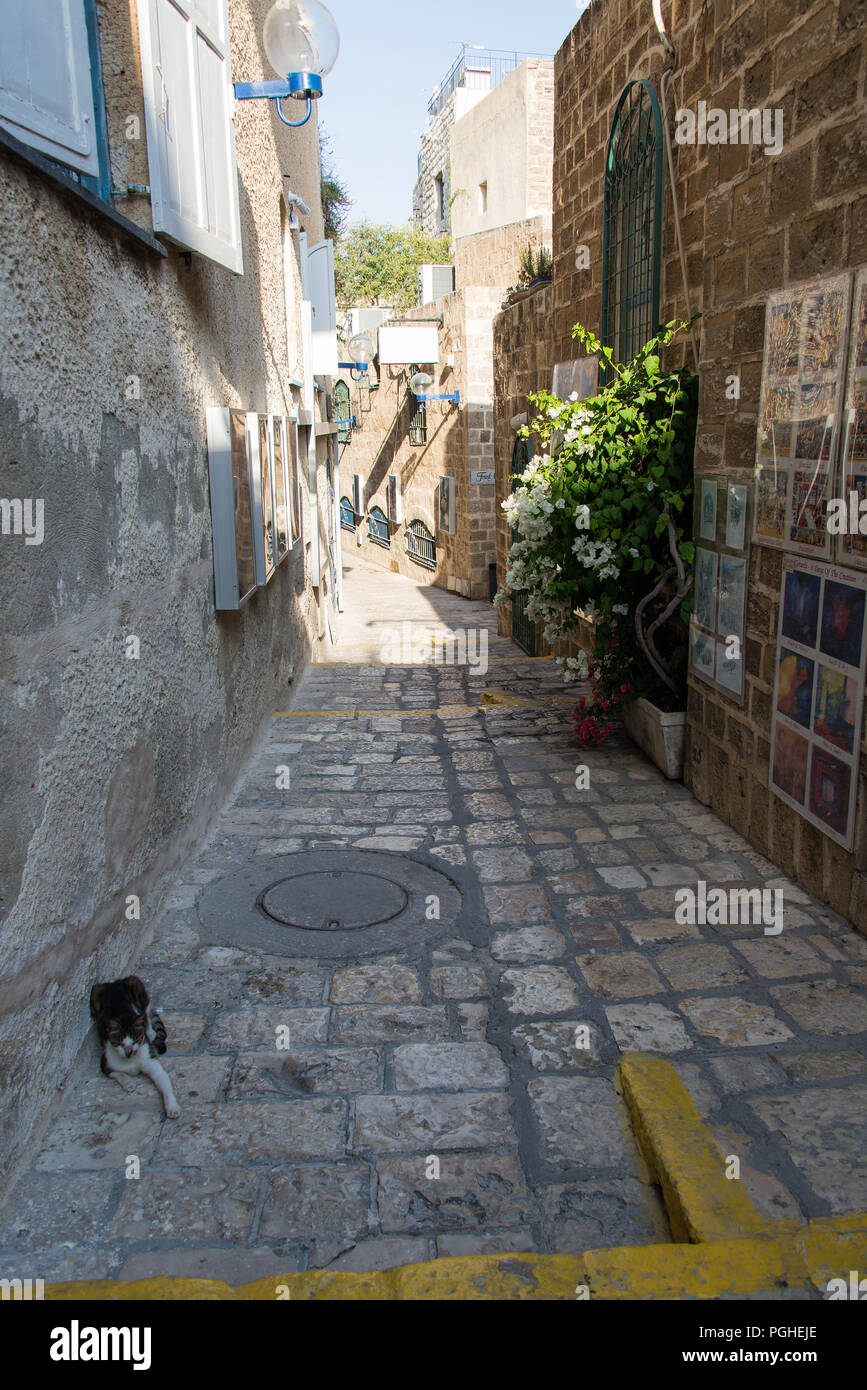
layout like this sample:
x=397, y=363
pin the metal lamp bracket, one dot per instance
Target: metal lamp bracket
x=302, y=86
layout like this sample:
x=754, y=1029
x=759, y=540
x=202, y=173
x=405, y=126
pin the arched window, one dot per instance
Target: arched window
x=632, y=222
x=342, y=412
x=421, y=546
x=347, y=515
x=377, y=527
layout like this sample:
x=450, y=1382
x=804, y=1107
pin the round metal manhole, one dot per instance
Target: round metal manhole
x=331, y=903
x=333, y=900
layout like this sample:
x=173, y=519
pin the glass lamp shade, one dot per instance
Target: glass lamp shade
x=361, y=349
x=419, y=383
x=301, y=36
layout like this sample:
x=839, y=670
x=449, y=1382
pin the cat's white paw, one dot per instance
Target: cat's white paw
x=173, y=1111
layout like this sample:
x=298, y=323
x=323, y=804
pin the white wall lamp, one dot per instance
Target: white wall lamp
x=362, y=352
x=420, y=381
x=302, y=44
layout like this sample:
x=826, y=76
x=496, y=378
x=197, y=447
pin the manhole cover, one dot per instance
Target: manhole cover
x=328, y=903
x=333, y=900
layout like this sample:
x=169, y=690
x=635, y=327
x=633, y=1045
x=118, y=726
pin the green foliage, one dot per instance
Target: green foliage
x=536, y=263
x=336, y=201
x=380, y=263
x=601, y=514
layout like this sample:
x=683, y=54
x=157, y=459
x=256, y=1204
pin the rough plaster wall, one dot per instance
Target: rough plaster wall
x=114, y=766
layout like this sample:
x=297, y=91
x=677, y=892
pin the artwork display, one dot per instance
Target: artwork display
x=252, y=464
x=819, y=694
x=395, y=500
x=852, y=541
x=799, y=416
x=579, y=378
x=446, y=518
x=720, y=585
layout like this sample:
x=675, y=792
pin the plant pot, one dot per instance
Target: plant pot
x=659, y=735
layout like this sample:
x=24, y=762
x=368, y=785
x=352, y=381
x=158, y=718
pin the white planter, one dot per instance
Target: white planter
x=659, y=735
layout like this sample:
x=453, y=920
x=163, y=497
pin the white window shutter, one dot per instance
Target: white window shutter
x=189, y=105
x=46, y=93
x=321, y=293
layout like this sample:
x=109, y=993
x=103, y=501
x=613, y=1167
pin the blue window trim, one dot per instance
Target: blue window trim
x=101, y=184
x=377, y=528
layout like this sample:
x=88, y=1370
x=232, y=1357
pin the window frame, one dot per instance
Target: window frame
x=377, y=517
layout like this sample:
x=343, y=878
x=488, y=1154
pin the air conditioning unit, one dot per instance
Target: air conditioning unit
x=365, y=321
x=435, y=282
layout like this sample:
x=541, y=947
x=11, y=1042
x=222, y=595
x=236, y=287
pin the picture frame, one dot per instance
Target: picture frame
x=446, y=512
x=235, y=503
x=394, y=496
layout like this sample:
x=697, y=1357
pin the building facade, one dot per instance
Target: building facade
x=757, y=217
x=149, y=280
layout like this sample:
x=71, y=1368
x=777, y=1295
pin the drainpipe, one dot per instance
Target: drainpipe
x=672, y=52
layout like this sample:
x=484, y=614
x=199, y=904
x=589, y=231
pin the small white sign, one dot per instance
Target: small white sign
x=402, y=344
x=481, y=475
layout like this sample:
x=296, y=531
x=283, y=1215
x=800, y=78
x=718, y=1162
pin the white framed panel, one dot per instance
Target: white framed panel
x=404, y=344
x=233, y=509
x=446, y=510
x=280, y=484
x=394, y=493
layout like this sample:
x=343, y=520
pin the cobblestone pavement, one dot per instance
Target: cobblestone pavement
x=459, y=1046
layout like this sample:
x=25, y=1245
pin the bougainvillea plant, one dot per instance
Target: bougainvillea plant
x=604, y=527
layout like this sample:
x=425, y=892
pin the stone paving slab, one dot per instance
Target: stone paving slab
x=454, y=1096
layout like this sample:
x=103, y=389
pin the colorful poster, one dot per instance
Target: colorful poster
x=819, y=694
x=800, y=415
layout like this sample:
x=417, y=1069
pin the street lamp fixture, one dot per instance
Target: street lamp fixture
x=302, y=44
x=362, y=352
x=420, y=381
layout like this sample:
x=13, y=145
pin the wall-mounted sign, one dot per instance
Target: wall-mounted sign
x=819, y=695
x=400, y=345
x=395, y=500
x=579, y=378
x=358, y=494
x=482, y=476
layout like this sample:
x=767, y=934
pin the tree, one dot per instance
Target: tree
x=336, y=201
x=375, y=262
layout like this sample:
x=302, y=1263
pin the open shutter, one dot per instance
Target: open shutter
x=46, y=92
x=189, y=106
x=320, y=291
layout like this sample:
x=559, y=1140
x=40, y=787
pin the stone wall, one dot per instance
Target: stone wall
x=114, y=767
x=493, y=258
x=752, y=224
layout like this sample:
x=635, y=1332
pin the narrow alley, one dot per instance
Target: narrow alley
x=409, y=1084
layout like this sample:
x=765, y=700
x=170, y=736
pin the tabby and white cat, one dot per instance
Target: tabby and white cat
x=131, y=1038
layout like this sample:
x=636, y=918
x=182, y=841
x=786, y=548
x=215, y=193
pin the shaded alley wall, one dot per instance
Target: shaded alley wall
x=752, y=224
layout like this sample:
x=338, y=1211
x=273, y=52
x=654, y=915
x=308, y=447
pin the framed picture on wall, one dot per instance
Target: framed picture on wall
x=283, y=533
x=235, y=505
x=395, y=500
x=446, y=518
x=264, y=538
x=358, y=494
x=851, y=522
x=719, y=597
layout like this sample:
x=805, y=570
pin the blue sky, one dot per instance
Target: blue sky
x=374, y=106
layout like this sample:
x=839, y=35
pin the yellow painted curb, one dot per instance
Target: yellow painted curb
x=702, y=1203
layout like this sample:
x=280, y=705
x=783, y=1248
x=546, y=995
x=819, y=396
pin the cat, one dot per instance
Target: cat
x=131, y=1038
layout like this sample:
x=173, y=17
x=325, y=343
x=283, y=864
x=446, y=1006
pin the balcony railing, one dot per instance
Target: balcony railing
x=480, y=68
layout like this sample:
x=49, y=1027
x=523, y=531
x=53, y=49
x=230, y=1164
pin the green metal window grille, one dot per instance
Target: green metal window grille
x=632, y=222
x=523, y=629
x=377, y=527
x=347, y=515
x=421, y=546
x=342, y=412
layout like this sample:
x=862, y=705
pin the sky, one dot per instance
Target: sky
x=374, y=107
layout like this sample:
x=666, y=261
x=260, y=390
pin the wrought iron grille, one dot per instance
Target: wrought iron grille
x=342, y=412
x=377, y=527
x=347, y=515
x=523, y=628
x=421, y=546
x=632, y=222
x=418, y=423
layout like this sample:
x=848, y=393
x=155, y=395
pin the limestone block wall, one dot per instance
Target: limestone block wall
x=113, y=767
x=751, y=224
x=493, y=259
